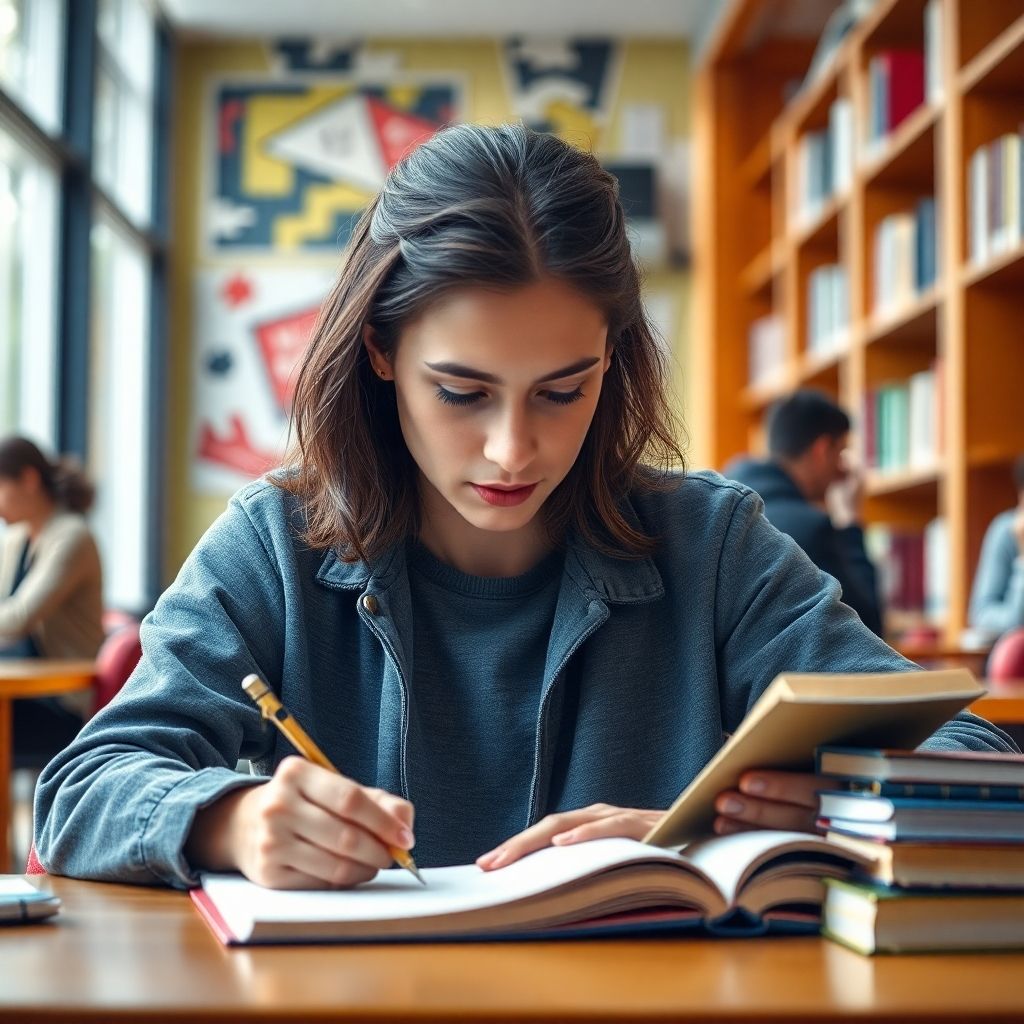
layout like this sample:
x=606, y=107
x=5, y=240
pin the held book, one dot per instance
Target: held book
x=798, y=713
x=745, y=883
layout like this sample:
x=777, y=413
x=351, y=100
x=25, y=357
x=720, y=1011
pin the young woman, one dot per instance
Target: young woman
x=51, y=591
x=476, y=584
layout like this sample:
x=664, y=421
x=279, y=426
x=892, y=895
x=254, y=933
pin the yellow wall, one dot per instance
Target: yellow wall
x=652, y=72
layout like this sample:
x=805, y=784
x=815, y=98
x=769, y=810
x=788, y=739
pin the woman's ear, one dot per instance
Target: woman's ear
x=608, y=353
x=378, y=361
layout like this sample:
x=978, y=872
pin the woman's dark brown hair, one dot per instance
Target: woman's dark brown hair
x=501, y=207
x=63, y=480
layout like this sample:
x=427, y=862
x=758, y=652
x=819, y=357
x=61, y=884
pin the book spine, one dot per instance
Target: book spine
x=905, y=75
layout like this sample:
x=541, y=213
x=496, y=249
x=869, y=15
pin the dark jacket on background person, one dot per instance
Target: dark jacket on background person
x=840, y=553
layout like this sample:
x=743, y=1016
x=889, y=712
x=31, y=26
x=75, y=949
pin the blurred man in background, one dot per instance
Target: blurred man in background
x=812, y=491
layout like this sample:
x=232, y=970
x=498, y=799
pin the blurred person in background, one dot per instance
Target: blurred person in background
x=812, y=492
x=51, y=594
x=997, y=598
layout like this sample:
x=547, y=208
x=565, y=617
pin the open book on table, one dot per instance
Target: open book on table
x=744, y=883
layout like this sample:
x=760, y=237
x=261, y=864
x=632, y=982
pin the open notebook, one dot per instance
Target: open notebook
x=748, y=882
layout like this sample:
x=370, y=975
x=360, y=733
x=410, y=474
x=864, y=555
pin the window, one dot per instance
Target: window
x=119, y=422
x=32, y=57
x=123, y=119
x=28, y=257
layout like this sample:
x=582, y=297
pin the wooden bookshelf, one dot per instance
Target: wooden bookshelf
x=752, y=111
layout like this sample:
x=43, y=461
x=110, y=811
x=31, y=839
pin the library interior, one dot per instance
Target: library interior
x=687, y=335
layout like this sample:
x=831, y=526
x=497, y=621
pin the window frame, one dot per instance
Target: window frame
x=81, y=197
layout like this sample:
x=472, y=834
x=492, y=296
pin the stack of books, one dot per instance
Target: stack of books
x=944, y=837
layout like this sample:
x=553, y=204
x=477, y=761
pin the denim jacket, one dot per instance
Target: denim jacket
x=650, y=664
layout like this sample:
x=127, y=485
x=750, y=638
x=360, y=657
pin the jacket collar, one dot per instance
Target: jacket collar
x=598, y=575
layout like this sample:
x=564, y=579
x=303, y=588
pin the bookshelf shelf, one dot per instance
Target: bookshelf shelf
x=817, y=365
x=889, y=481
x=909, y=157
x=822, y=230
x=1007, y=269
x=916, y=323
x=1000, y=66
x=947, y=363
x=757, y=167
x=759, y=395
x=758, y=275
x=809, y=108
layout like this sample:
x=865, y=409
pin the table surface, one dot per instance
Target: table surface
x=32, y=677
x=121, y=953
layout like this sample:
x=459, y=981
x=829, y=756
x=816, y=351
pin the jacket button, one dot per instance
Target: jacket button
x=371, y=604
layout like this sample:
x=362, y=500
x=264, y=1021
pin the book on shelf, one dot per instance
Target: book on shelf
x=995, y=182
x=874, y=919
x=899, y=558
x=798, y=713
x=767, y=349
x=934, y=80
x=901, y=422
x=745, y=883
x=895, y=90
x=905, y=258
x=824, y=163
x=936, y=569
x=898, y=818
x=828, y=309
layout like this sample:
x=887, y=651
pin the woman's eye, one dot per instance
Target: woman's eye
x=458, y=397
x=564, y=397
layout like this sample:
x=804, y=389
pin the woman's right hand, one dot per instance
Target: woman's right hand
x=307, y=828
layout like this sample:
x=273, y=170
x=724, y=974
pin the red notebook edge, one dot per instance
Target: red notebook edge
x=209, y=913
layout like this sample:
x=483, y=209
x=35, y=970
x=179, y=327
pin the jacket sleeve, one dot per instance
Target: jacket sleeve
x=997, y=598
x=777, y=612
x=118, y=803
x=52, y=577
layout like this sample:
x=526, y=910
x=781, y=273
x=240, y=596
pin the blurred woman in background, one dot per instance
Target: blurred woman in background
x=51, y=594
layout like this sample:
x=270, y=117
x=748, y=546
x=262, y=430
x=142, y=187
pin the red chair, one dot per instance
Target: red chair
x=1007, y=658
x=32, y=866
x=116, y=661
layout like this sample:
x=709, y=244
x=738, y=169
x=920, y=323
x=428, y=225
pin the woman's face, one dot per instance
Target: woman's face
x=496, y=391
x=18, y=496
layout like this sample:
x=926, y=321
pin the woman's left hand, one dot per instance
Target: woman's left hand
x=598, y=821
x=770, y=799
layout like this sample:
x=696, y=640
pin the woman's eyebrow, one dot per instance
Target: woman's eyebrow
x=461, y=370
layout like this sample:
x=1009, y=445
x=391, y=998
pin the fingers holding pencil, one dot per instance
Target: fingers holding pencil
x=312, y=828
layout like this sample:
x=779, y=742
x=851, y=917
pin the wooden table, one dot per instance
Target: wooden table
x=29, y=677
x=119, y=953
x=1003, y=704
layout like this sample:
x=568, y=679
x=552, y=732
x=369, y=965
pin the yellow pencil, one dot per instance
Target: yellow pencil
x=272, y=709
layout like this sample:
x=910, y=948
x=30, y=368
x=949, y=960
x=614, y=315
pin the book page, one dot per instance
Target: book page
x=395, y=895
